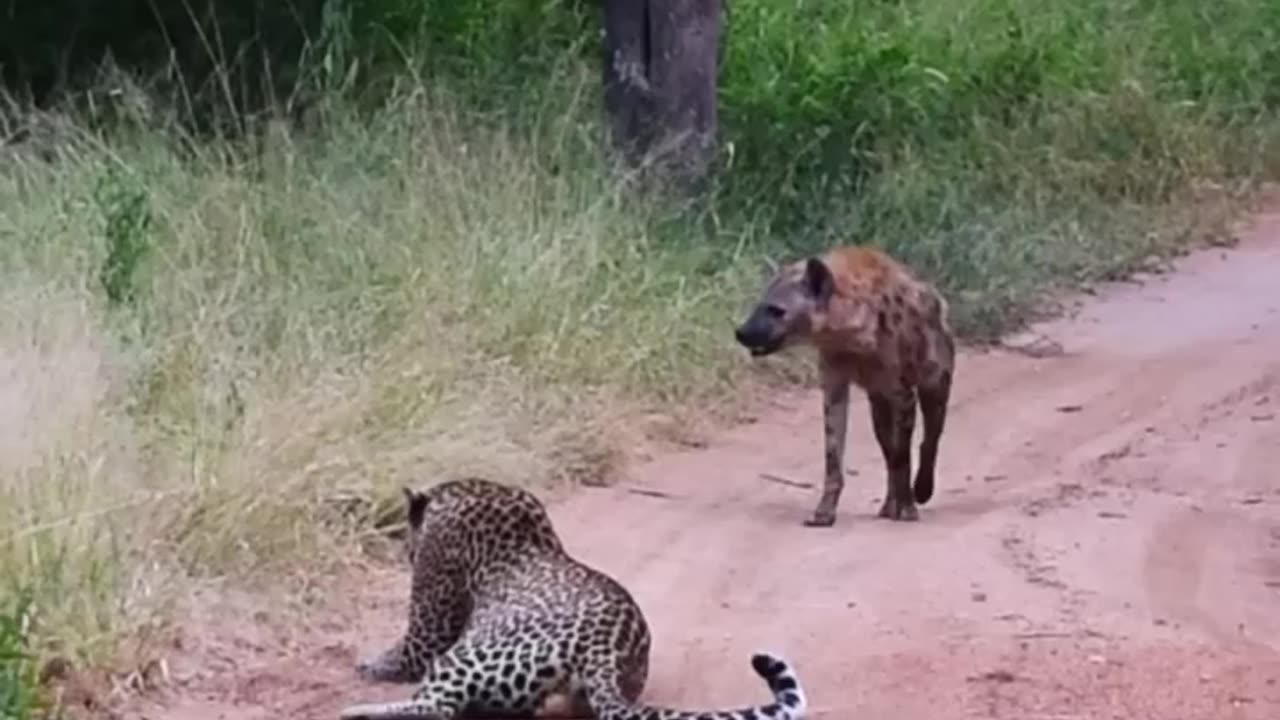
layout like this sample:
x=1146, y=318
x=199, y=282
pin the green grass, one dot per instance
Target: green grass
x=19, y=693
x=215, y=354
x=996, y=145
x=223, y=357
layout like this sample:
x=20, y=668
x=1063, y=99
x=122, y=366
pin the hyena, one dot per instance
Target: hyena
x=874, y=324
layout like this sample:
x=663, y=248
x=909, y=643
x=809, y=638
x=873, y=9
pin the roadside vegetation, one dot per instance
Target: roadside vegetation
x=228, y=337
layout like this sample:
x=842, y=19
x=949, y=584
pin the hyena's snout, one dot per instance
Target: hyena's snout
x=760, y=334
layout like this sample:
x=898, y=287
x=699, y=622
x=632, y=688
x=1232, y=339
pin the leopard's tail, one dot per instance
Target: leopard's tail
x=401, y=710
x=789, y=702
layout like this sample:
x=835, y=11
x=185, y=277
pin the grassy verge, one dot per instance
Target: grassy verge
x=222, y=358
x=999, y=146
x=19, y=694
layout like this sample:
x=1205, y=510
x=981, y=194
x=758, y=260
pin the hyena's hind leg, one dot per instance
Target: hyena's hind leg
x=933, y=407
x=893, y=416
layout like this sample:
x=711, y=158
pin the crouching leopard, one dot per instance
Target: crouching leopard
x=501, y=619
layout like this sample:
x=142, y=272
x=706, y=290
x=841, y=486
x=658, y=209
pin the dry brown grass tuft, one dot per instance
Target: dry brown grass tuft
x=391, y=301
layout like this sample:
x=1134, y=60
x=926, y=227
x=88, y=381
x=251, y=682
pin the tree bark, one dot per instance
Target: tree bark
x=660, y=67
x=628, y=97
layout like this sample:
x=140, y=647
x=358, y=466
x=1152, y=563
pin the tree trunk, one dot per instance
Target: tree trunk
x=628, y=97
x=660, y=69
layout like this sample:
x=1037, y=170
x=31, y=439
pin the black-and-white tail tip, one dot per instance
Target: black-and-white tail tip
x=783, y=683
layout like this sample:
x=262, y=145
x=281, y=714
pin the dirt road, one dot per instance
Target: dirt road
x=1105, y=541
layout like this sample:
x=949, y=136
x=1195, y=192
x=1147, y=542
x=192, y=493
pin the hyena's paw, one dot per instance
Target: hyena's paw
x=821, y=518
x=895, y=509
x=922, y=490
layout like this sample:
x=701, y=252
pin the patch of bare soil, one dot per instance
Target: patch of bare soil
x=1105, y=542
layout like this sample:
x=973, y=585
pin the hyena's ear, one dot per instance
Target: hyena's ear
x=417, y=506
x=818, y=280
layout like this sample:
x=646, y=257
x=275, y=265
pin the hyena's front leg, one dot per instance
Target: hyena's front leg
x=893, y=415
x=835, y=423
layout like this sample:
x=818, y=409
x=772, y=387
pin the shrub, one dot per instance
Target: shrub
x=19, y=691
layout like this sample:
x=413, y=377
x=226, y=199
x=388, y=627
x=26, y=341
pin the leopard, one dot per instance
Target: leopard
x=877, y=325
x=502, y=619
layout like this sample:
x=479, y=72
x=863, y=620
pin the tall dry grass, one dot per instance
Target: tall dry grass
x=221, y=359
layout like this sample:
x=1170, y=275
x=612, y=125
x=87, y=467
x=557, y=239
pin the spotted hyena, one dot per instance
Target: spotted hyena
x=877, y=325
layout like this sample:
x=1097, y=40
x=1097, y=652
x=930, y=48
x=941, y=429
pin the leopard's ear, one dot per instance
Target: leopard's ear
x=416, y=503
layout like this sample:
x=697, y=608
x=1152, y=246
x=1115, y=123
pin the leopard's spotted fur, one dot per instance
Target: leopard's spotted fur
x=501, y=617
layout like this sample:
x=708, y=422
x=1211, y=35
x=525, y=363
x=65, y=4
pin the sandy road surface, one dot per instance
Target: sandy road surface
x=1105, y=541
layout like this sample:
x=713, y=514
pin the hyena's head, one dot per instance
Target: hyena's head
x=794, y=298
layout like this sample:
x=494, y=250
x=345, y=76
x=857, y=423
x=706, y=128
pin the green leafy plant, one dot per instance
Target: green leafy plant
x=19, y=680
x=126, y=213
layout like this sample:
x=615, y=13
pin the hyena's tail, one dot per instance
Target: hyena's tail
x=789, y=702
